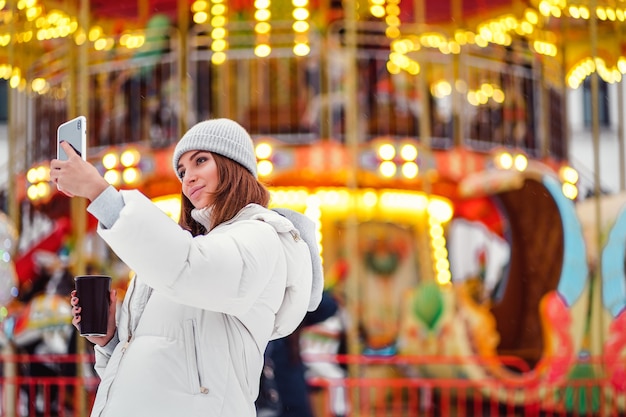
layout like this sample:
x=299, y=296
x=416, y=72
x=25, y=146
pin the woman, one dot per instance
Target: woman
x=209, y=293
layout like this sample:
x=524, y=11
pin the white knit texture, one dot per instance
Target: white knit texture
x=221, y=136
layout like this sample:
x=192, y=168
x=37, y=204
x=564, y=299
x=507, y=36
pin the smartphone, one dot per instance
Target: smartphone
x=73, y=132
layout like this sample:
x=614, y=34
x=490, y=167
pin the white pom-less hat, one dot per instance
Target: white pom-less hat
x=221, y=136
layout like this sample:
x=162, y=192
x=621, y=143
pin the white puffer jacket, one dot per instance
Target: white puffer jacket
x=196, y=319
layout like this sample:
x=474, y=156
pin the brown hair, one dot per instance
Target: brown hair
x=237, y=188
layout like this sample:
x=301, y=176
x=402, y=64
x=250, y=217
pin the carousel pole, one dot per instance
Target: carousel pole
x=425, y=128
x=425, y=135
x=620, y=135
x=9, y=367
x=597, y=338
x=620, y=122
x=564, y=107
x=543, y=100
x=458, y=134
x=544, y=136
x=183, y=31
x=78, y=104
x=12, y=203
x=352, y=142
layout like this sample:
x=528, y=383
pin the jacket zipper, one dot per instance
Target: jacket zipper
x=124, y=348
x=203, y=389
x=194, y=361
x=130, y=327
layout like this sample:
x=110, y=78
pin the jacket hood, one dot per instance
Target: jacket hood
x=306, y=227
x=297, y=299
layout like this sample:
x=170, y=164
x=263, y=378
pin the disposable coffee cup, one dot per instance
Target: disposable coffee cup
x=93, y=297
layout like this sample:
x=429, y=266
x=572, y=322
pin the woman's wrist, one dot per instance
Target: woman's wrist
x=97, y=190
x=102, y=341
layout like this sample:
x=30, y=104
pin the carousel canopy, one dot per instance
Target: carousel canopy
x=435, y=12
x=582, y=36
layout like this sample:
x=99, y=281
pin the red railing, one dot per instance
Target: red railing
x=47, y=385
x=36, y=385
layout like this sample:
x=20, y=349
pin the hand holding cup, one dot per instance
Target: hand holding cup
x=93, y=308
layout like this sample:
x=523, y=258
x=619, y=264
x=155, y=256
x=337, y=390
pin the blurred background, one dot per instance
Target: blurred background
x=463, y=161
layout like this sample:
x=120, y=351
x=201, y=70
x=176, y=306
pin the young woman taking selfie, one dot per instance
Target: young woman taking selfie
x=209, y=292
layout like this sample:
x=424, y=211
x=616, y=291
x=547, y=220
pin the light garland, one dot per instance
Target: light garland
x=301, y=27
x=262, y=28
x=31, y=22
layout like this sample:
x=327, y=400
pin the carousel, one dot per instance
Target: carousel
x=427, y=140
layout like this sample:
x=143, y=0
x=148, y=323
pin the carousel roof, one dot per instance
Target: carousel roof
x=436, y=11
x=558, y=32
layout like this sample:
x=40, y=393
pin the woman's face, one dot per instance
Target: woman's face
x=199, y=174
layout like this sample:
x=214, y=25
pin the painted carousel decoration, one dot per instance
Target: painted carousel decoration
x=8, y=276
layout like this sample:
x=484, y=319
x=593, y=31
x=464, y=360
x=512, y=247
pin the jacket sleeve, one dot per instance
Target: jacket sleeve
x=223, y=271
x=103, y=354
x=107, y=206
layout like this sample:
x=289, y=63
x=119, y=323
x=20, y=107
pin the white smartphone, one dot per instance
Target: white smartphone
x=73, y=132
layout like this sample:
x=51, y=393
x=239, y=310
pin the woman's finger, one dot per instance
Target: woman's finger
x=67, y=193
x=70, y=151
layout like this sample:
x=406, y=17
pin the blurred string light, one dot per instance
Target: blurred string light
x=388, y=10
x=569, y=178
x=396, y=159
x=123, y=168
x=398, y=56
x=577, y=74
x=440, y=89
x=200, y=8
x=214, y=13
x=133, y=40
x=264, y=152
x=301, y=15
x=439, y=252
x=377, y=8
x=485, y=93
x=219, y=33
x=392, y=19
x=262, y=28
x=503, y=159
x=38, y=189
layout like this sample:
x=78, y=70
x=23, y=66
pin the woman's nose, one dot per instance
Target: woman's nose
x=189, y=178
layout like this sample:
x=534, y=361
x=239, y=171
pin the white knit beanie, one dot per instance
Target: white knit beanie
x=221, y=136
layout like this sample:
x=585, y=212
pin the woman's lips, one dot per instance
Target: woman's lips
x=194, y=191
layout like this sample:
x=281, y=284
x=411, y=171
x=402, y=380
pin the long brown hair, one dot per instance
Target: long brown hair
x=236, y=188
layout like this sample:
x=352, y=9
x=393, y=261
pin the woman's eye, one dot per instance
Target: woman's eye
x=181, y=174
x=201, y=159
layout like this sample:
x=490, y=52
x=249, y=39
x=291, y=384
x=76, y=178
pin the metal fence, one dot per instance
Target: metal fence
x=48, y=385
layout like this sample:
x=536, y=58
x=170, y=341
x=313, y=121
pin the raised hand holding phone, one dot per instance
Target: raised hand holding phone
x=73, y=132
x=74, y=176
